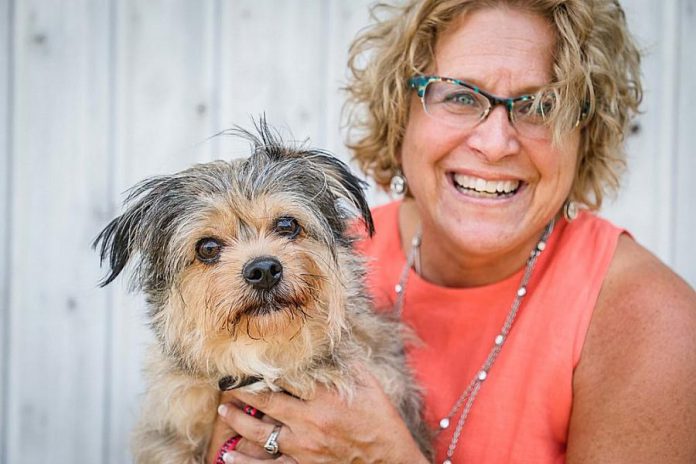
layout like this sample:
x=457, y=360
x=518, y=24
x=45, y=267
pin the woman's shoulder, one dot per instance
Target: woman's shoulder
x=635, y=385
x=640, y=285
x=644, y=303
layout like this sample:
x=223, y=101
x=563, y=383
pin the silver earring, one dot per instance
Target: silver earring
x=570, y=210
x=398, y=184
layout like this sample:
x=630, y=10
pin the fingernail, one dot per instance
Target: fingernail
x=228, y=458
x=222, y=410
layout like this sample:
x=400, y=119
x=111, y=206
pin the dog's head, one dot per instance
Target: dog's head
x=246, y=265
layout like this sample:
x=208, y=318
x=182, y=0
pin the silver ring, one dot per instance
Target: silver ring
x=271, y=445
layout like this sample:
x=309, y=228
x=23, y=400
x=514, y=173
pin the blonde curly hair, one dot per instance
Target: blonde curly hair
x=596, y=70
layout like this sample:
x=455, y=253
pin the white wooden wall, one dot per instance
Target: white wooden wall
x=98, y=94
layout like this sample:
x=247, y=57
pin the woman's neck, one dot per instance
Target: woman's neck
x=442, y=263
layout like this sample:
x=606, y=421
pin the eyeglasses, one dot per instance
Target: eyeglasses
x=463, y=105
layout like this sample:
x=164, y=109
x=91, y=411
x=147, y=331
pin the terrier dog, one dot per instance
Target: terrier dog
x=251, y=281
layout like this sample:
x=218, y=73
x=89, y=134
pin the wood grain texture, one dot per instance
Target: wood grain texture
x=59, y=178
x=645, y=203
x=684, y=252
x=345, y=19
x=273, y=62
x=5, y=199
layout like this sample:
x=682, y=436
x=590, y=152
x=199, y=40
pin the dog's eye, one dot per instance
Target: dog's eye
x=288, y=227
x=208, y=250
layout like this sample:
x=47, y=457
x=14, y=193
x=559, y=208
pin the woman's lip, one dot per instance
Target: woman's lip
x=485, y=176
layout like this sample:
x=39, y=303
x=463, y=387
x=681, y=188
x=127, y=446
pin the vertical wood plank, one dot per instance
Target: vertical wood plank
x=164, y=101
x=273, y=62
x=685, y=166
x=5, y=196
x=345, y=19
x=59, y=189
x=645, y=204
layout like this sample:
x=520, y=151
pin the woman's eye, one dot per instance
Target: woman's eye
x=208, y=250
x=461, y=98
x=524, y=107
x=287, y=227
x=535, y=112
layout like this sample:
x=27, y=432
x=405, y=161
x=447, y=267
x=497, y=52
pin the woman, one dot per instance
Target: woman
x=549, y=335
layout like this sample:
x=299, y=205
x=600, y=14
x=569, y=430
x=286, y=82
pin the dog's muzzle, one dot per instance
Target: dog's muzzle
x=263, y=273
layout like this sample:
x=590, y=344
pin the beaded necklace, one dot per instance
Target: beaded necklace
x=469, y=394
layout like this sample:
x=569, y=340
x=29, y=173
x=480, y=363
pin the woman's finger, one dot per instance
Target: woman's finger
x=251, y=449
x=278, y=405
x=260, y=432
x=248, y=447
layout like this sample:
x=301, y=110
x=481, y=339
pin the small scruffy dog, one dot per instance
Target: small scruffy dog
x=251, y=279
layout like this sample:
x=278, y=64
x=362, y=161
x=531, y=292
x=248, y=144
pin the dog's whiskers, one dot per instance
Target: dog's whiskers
x=331, y=266
x=313, y=276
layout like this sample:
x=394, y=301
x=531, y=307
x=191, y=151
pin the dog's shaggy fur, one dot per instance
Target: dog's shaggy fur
x=200, y=243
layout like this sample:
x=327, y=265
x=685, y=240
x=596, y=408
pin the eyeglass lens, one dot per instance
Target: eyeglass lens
x=463, y=107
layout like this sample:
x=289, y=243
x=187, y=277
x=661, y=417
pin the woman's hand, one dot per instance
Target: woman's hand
x=222, y=432
x=325, y=429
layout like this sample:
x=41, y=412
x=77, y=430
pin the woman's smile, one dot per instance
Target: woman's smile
x=494, y=188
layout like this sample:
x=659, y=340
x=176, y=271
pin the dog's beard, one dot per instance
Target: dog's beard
x=218, y=325
x=266, y=314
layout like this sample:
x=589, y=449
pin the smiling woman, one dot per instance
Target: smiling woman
x=548, y=334
x=495, y=230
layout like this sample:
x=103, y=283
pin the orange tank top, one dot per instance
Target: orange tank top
x=522, y=411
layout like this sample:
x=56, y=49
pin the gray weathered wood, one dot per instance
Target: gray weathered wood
x=164, y=100
x=685, y=167
x=272, y=61
x=59, y=188
x=645, y=204
x=5, y=198
x=345, y=19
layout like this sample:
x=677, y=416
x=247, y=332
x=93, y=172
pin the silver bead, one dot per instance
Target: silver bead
x=499, y=340
x=416, y=240
x=398, y=288
x=482, y=375
x=444, y=423
x=522, y=291
x=541, y=246
x=446, y=461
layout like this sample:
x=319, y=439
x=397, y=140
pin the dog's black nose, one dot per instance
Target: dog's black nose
x=263, y=273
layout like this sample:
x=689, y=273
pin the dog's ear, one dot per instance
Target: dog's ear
x=151, y=206
x=117, y=243
x=343, y=184
x=122, y=239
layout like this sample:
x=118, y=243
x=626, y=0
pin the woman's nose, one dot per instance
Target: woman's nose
x=495, y=138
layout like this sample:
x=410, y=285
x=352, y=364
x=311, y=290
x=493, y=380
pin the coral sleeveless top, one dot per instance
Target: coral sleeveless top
x=522, y=411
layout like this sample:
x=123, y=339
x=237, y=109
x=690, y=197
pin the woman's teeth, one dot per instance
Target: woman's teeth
x=483, y=186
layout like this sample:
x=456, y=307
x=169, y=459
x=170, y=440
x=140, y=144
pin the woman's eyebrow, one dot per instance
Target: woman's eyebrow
x=527, y=89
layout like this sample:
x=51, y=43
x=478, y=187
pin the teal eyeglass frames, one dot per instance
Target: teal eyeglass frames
x=463, y=105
